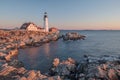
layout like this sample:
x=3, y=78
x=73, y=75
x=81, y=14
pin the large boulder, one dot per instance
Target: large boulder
x=21, y=44
x=11, y=54
x=73, y=36
x=34, y=75
x=2, y=54
x=53, y=78
x=65, y=68
x=56, y=62
x=99, y=68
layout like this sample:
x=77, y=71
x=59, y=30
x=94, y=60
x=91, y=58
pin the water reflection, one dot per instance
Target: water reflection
x=47, y=50
x=34, y=57
x=32, y=52
x=31, y=55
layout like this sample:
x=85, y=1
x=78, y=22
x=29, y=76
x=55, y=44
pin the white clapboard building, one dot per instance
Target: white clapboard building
x=29, y=26
x=33, y=27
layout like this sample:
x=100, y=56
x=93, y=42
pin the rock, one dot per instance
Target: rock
x=3, y=48
x=55, y=36
x=10, y=72
x=101, y=73
x=104, y=66
x=40, y=76
x=65, y=68
x=23, y=78
x=71, y=60
x=11, y=54
x=2, y=54
x=45, y=40
x=21, y=70
x=112, y=75
x=99, y=68
x=31, y=75
x=8, y=58
x=8, y=46
x=81, y=76
x=6, y=70
x=21, y=44
x=35, y=75
x=73, y=36
x=53, y=78
x=56, y=62
x=19, y=38
x=16, y=63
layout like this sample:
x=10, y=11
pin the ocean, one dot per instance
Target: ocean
x=96, y=43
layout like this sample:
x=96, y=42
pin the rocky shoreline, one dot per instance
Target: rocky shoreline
x=12, y=40
x=88, y=68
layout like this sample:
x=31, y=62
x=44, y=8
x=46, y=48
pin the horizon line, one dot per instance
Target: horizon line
x=75, y=29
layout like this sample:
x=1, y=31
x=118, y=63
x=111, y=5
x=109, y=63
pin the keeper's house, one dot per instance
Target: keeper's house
x=29, y=26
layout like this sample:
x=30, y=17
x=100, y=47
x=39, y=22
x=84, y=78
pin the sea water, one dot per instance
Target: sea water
x=97, y=43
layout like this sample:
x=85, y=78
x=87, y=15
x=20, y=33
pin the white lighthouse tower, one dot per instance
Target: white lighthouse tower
x=46, y=22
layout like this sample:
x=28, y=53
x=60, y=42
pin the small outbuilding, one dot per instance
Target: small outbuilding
x=53, y=29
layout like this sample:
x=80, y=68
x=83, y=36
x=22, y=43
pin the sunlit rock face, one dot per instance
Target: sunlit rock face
x=88, y=68
x=11, y=53
x=56, y=62
x=15, y=71
x=11, y=40
x=65, y=68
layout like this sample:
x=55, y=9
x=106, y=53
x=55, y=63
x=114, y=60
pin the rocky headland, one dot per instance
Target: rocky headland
x=88, y=68
x=12, y=40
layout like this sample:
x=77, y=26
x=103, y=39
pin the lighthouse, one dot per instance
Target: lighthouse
x=46, y=22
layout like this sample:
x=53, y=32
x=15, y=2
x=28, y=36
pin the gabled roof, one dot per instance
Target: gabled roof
x=25, y=25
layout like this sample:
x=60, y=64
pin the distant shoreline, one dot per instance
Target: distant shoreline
x=72, y=29
x=88, y=30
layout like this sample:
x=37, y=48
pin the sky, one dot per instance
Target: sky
x=63, y=14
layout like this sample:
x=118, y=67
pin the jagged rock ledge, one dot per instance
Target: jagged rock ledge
x=73, y=36
x=88, y=68
x=12, y=40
